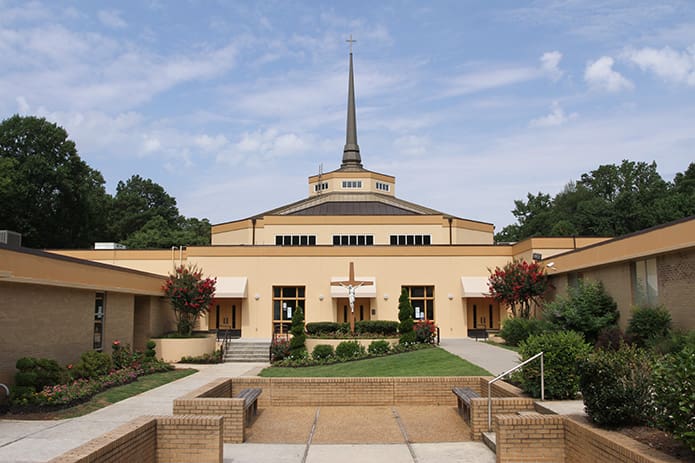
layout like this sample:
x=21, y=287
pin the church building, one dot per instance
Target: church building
x=295, y=255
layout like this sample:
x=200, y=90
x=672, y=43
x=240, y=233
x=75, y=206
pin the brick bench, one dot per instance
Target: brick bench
x=250, y=397
x=463, y=397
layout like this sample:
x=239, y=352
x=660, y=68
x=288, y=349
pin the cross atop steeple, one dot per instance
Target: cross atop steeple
x=351, y=42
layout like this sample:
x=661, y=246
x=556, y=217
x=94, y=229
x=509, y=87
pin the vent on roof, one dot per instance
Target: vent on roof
x=109, y=246
x=10, y=238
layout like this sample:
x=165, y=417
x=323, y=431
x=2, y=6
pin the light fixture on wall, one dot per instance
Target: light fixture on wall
x=320, y=297
x=257, y=296
x=450, y=296
x=386, y=297
x=551, y=266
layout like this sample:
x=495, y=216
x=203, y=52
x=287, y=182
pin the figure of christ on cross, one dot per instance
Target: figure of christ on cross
x=351, y=285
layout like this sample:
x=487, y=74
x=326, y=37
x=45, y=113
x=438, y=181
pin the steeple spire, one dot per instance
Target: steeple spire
x=351, y=152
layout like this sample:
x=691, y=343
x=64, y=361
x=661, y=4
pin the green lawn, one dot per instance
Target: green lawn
x=427, y=362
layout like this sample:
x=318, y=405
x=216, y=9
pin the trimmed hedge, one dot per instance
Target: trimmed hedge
x=648, y=324
x=326, y=328
x=379, y=347
x=322, y=352
x=379, y=327
x=349, y=350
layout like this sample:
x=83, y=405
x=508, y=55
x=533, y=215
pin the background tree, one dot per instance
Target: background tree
x=48, y=194
x=137, y=202
x=517, y=285
x=611, y=200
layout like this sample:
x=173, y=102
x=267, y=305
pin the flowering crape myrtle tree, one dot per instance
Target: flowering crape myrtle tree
x=190, y=295
x=518, y=284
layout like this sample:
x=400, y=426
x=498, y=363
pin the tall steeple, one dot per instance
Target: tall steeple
x=351, y=152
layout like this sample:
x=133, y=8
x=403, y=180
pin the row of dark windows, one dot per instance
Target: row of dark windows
x=353, y=240
x=295, y=240
x=411, y=240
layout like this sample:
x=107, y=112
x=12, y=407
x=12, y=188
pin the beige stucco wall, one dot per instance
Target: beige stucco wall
x=56, y=323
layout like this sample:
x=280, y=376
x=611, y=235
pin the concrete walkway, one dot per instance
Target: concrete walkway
x=39, y=441
x=494, y=359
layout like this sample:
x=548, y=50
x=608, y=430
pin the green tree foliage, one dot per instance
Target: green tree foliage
x=586, y=309
x=190, y=295
x=298, y=340
x=611, y=200
x=648, y=324
x=405, y=316
x=47, y=192
x=137, y=202
x=518, y=284
x=55, y=200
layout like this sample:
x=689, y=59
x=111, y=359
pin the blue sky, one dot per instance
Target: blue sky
x=231, y=105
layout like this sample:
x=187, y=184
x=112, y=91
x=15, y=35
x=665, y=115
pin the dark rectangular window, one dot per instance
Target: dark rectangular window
x=394, y=240
x=295, y=240
x=336, y=240
x=278, y=240
x=353, y=240
x=410, y=240
x=99, y=306
x=422, y=300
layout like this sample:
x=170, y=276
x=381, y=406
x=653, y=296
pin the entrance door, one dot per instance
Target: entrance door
x=362, y=310
x=228, y=316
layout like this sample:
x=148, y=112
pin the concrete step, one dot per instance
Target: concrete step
x=490, y=439
x=247, y=351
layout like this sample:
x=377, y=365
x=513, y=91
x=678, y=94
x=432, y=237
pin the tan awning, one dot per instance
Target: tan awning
x=230, y=287
x=362, y=291
x=475, y=287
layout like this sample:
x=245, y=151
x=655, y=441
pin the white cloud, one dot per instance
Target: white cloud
x=669, y=64
x=150, y=144
x=550, y=64
x=262, y=145
x=112, y=19
x=22, y=105
x=556, y=117
x=600, y=74
x=484, y=80
x=412, y=145
x=208, y=143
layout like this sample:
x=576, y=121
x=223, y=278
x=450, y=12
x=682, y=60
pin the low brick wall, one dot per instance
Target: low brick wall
x=560, y=439
x=535, y=438
x=217, y=397
x=152, y=439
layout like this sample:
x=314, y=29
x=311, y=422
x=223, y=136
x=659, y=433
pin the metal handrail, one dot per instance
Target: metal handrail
x=502, y=375
x=7, y=390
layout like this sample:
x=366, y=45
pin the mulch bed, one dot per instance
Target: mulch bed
x=660, y=441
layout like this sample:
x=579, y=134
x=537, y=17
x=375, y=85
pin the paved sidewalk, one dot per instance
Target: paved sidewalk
x=494, y=359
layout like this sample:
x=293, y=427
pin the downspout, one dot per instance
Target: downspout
x=253, y=232
x=451, y=241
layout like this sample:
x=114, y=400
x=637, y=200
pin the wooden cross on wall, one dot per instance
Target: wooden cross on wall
x=351, y=285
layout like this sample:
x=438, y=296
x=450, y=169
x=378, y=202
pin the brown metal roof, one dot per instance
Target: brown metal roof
x=353, y=208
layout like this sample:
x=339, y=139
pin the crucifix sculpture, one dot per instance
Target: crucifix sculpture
x=351, y=285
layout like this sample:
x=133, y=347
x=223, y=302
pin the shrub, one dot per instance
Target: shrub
x=349, y=350
x=36, y=373
x=587, y=309
x=122, y=356
x=324, y=328
x=516, y=330
x=615, y=386
x=279, y=349
x=298, y=340
x=611, y=338
x=674, y=343
x=674, y=395
x=322, y=352
x=563, y=349
x=648, y=324
x=150, y=352
x=377, y=327
x=93, y=364
x=405, y=316
x=215, y=357
x=380, y=347
x=425, y=332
